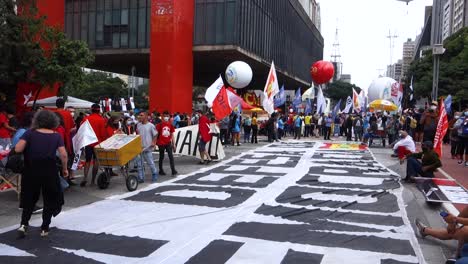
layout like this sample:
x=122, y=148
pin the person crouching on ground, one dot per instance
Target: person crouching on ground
x=40, y=145
x=429, y=162
x=166, y=143
x=404, y=146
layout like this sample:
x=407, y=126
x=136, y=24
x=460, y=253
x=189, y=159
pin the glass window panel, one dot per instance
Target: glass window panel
x=133, y=4
x=84, y=27
x=141, y=27
x=220, y=31
x=141, y=3
x=92, y=29
x=116, y=17
x=100, y=29
x=124, y=39
x=116, y=40
x=124, y=17
x=116, y=4
x=230, y=21
x=107, y=37
x=125, y=3
x=108, y=4
x=84, y=5
x=92, y=5
x=76, y=6
x=210, y=23
x=133, y=28
x=148, y=25
x=69, y=25
x=76, y=26
x=69, y=6
x=107, y=18
x=100, y=4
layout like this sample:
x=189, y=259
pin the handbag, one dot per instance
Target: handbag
x=15, y=162
x=63, y=183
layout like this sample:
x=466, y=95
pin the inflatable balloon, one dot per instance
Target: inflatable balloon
x=381, y=88
x=238, y=74
x=322, y=71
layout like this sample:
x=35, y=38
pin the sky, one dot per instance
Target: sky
x=363, y=27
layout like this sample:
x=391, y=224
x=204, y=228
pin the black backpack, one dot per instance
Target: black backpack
x=15, y=162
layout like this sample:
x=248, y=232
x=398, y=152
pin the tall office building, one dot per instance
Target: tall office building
x=181, y=44
x=394, y=71
x=408, y=54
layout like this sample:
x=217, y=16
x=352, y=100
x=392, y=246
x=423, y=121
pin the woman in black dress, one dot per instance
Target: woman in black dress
x=40, y=146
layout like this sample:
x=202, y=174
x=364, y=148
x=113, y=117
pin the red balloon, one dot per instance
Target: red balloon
x=322, y=71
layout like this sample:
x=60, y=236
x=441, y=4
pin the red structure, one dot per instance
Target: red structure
x=53, y=9
x=171, y=59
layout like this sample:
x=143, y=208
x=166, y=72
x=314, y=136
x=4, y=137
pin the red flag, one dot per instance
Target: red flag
x=442, y=127
x=221, y=107
x=26, y=92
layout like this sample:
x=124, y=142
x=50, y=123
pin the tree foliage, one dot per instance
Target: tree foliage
x=453, y=70
x=97, y=85
x=32, y=51
x=340, y=90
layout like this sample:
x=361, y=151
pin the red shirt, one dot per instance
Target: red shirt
x=110, y=131
x=68, y=125
x=4, y=132
x=98, y=123
x=165, y=132
x=204, y=128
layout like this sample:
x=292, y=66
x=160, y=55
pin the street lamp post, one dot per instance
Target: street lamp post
x=437, y=49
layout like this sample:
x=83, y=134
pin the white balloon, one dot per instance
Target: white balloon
x=238, y=74
x=380, y=88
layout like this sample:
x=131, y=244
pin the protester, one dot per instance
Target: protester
x=40, y=145
x=224, y=130
x=128, y=127
x=429, y=162
x=166, y=143
x=371, y=131
x=453, y=135
x=235, y=128
x=297, y=126
x=307, y=125
x=98, y=123
x=176, y=120
x=391, y=131
x=280, y=127
x=462, y=128
x=270, y=128
x=349, y=127
x=358, y=128
x=79, y=119
x=327, y=124
x=148, y=134
x=5, y=129
x=24, y=125
x=254, y=128
x=205, y=137
x=429, y=120
x=404, y=146
x=247, y=129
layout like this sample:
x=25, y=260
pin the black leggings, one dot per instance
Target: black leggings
x=46, y=217
x=163, y=149
x=462, y=148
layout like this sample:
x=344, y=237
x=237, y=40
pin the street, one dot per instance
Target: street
x=287, y=202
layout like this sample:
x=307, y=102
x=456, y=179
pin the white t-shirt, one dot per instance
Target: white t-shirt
x=407, y=142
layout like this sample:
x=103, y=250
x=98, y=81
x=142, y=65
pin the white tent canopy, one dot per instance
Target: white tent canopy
x=71, y=101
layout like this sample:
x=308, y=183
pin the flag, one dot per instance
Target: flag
x=221, y=107
x=123, y=103
x=213, y=90
x=411, y=89
x=308, y=107
x=270, y=90
x=321, y=103
x=84, y=137
x=280, y=98
x=336, y=109
x=297, y=99
x=448, y=104
x=309, y=93
x=349, y=105
x=400, y=93
x=356, y=104
x=132, y=103
x=442, y=127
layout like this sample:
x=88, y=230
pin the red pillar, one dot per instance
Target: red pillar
x=171, y=58
x=54, y=10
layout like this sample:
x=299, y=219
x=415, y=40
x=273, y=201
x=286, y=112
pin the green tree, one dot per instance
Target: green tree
x=31, y=51
x=340, y=90
x=97, y=85
x=453, y=70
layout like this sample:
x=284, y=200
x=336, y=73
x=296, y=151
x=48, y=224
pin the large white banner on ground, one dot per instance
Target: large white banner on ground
x=296, y=202
x=187, y=139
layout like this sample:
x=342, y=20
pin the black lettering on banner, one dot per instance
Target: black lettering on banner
x=297, y=153
x=270, y=156
x=355, y=172
x=292, y=145
x=218, y=251
x=187, y=141
x=237, y=196
x=302, y=234
x=196, y=145
x=311, y=215
x=297, y=257
x=386, y=202
x=44, y=250
x=213, y=142
x=311, y=180
x=262, y=162
x=227, y=180
x=248, y=170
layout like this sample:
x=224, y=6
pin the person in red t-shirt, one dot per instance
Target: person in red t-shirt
x=205, y=137
x=98, y=123
x=166, y=142
x=5, y=128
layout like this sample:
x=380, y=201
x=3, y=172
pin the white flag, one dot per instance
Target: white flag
x=349, y=104
x=84, y=137
x=123, y=103
x=132, y=103
x=213, y=90
x=270, y=90
x=321, y=103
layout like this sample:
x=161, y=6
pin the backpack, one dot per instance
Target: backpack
x=413, y=122
x=15, y=162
